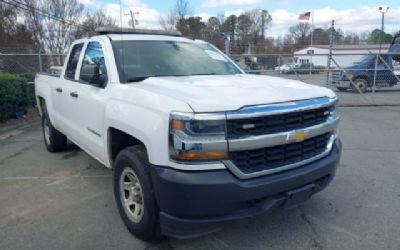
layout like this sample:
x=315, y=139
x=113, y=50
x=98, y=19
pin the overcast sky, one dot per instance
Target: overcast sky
x=349, y=15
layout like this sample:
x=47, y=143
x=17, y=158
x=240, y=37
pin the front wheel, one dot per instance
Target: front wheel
x=134, y=194
x=360, y=85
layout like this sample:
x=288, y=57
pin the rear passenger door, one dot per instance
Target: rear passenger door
x=61, y=89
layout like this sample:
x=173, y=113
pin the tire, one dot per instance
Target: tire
x=341, y=89
x=54, y=140
x=362, y=85
x=134, y=194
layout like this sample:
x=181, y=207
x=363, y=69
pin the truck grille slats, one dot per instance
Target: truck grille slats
x=271, y=124
x=249, y=161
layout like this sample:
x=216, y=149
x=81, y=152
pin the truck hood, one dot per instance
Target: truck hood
x=359, y=66
x=213, y=93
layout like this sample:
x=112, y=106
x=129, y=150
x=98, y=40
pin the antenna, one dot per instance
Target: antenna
x=133, y=20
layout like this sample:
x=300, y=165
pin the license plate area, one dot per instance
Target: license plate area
x=299, y=195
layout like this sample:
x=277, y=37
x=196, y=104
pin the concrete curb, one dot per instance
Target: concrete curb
x=22, y=125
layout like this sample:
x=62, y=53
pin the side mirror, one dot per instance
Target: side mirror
x=94, y=74
x=101, y=75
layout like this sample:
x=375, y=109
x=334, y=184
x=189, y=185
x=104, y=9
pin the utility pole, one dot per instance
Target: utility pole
x=383, y=10
x=133, y=20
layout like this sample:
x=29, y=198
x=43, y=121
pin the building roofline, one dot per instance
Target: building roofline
x=350, y=47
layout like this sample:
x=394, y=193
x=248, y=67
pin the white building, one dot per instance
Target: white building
x=344, y=55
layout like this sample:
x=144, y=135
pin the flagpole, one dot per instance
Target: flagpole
x=312, y=35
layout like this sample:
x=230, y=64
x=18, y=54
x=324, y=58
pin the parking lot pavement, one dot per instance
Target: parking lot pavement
x=65, y=200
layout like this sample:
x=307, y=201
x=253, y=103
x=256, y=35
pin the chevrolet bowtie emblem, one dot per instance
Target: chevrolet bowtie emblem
x=298, y=136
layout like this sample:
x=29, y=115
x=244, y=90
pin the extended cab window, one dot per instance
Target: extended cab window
x=93, y=69
x=73, y=61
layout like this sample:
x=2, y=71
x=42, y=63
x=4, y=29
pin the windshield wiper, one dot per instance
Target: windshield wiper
x=204, y=74
x=137, y=79
x=142, y=78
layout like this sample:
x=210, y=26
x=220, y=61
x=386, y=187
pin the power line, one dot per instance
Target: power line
x=26, y=7
x=45, y=13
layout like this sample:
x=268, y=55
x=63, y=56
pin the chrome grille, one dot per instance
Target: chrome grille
x=249, y=161
x=276, y=123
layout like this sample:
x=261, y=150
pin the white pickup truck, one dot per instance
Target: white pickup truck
x=192, y=140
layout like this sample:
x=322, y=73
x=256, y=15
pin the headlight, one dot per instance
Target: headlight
x=334, y=113
x=197, y=137
x=333, y=109
x=349, y=76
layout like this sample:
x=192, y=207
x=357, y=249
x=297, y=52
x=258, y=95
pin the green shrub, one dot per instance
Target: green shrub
x=15, y=94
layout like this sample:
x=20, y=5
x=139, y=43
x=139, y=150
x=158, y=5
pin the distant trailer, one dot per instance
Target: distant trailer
x=344, y=55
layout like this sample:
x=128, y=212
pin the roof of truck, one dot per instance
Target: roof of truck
x=127, y=34
x=120, y=30
x=129, y=37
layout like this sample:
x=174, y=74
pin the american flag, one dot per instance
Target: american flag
x=305, y=16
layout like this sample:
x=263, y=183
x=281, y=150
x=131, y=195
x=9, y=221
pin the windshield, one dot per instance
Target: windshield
x=365, y=59
x=137, y=60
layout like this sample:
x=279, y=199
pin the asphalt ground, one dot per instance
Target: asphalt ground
x=65, y=200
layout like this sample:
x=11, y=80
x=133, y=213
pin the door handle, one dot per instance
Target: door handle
x=59, y=90
x=74, y=94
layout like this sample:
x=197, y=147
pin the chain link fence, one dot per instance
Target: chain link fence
x=357, y=78
x=28, y=64
x=17, y=74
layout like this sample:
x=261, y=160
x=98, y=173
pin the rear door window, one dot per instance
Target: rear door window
x=73, y=61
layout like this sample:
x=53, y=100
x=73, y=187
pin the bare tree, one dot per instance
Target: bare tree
x=92, y=21
x=300, y=33
x=182, y=8
x=53, y=22
x=179, y=12
x=8, y=17
x=168, y=21
x=251, y=29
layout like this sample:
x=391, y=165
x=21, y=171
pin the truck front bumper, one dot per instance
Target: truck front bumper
x=196, y=203
x=341, y=84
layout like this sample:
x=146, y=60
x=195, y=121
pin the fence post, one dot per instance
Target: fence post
x=328, y=63
x=227, y=47
x=40, y=59
x=375, y=71
x=280, y=63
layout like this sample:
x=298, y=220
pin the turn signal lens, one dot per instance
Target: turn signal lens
x=176, y=124
x=201, y=156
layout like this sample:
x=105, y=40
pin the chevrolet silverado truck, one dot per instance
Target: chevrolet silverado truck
x=192, y=140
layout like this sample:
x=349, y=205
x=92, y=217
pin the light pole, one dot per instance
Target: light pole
x=263, y=15
x=382, y=10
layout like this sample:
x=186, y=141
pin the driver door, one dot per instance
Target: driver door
x=89, y=100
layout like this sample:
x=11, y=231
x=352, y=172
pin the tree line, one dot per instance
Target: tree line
x=248, y=32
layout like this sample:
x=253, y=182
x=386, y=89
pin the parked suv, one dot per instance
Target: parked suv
x=192, y=140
